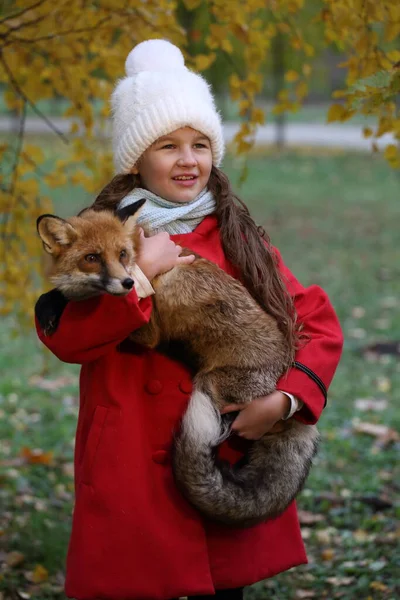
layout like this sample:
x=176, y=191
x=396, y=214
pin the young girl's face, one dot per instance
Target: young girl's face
x=177, y=166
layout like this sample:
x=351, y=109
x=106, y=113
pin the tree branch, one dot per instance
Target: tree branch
x=22, y=94
x=20, y=141
x=62, y=33
x=11, y=30
x=22, y=12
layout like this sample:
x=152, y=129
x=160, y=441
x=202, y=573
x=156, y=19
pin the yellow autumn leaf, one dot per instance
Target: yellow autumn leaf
x=227, y=46
x=378, y=586
x=391, y=151
x=35, y=153
x=243, y=146
x=291, y=75
x=257, y=116
x=336, y=112
x=36, y=456
x=40, y=574
x=392, y=155
x=204, y=61
x=301, y=90
x=28, y=187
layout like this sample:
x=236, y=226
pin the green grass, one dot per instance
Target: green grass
x=335, y=219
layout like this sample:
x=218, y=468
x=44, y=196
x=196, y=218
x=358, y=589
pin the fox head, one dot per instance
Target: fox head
x=92, y=253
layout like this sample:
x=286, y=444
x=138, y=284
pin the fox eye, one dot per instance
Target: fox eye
x=123, y=254
x=91, y=258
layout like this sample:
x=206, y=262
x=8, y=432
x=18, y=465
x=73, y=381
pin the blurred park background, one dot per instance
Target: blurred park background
x=309, y=93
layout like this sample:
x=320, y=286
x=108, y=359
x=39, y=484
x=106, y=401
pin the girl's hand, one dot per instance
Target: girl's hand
x=259, y=416
x=158, y=254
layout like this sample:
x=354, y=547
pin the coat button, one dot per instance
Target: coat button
x=153, y=386
x=186, y=386
x=160, y=457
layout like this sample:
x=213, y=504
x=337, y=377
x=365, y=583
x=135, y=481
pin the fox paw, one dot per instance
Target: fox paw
x=48, y=310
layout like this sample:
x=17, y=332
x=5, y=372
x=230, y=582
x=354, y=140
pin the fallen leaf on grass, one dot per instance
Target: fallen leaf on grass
x=370, y=404
x=357, y=312
x=360, y=535
x=68, y=469
x=12, y=462
x=378, y=586
x=38, y=575
x=304, y=594
x=392, y=537
x=324, y=536
x=340, y=580
x=384, y=384
x=383, y=434
x=327, y=554
x=382, y=323
x=14, y=559
x=308, y=518
x=36, y=456
x=357, y=333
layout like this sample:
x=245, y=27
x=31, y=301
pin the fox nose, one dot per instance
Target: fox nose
x=128, y=283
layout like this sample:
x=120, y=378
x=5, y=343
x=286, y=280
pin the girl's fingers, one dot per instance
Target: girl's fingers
x=186, y=260
x=232, y=407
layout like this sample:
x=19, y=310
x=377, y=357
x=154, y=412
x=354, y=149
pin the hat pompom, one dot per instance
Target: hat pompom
x=154, y=55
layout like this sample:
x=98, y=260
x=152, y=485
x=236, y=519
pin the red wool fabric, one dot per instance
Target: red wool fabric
x=134, y=537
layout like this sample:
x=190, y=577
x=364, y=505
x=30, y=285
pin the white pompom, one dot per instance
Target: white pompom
x=154, y=55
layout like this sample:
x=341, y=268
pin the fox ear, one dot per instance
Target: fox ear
x=55, y=232
x=129, y=214
x=130, y=210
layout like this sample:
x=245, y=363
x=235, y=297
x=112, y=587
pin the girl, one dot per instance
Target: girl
x=134, y=537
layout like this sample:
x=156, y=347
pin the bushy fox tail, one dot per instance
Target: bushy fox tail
x=261, y=488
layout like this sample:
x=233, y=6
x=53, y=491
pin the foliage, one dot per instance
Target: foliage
x=73, y=50
x=369, y=33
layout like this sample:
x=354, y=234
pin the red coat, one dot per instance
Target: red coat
x=134, y=537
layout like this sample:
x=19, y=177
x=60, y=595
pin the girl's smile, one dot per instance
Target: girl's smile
x=186, y=180
x=177, y=166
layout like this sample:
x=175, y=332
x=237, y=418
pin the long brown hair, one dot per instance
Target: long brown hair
x=245, y=245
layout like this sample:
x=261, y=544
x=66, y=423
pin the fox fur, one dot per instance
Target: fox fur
x=239, y=353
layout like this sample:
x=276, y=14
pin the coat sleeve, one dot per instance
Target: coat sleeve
x=319, y=355
x=90, y=328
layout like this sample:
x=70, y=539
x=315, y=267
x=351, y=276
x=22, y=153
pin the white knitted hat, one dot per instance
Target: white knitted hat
x=158, y=95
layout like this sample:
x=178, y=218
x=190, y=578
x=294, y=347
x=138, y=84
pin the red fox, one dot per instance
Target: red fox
x=239, y=350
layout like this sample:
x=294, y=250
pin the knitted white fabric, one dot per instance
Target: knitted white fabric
x=158, y=214
x=158, y=96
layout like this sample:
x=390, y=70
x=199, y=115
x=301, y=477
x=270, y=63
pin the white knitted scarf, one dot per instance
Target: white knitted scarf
x=158, y=214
